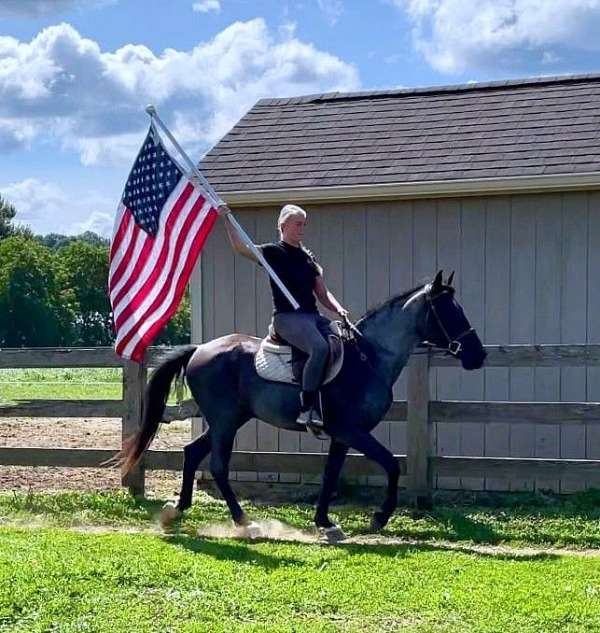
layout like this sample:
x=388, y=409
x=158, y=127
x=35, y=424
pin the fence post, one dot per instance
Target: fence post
x=134, y=382
x=418, y=431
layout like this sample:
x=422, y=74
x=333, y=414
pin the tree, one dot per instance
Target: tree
x=32, y=311
x=178, y=330
x=54, y=241
x=7, y=226
x=82, y=272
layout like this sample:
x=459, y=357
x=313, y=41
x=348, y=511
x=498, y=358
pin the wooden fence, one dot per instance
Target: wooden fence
x=419, y=465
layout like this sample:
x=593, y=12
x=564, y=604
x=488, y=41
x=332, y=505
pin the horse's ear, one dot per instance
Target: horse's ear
x=437, y=282
x=449, y=282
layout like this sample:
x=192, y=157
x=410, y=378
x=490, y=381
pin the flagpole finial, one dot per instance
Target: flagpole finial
x=151, y=110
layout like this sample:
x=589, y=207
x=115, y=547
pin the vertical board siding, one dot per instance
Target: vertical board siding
x=522, y=323
x=573, y=323
x=593, y=323
x=470, y=288
x=496, y=322
x=548, y=258
x=527, y=270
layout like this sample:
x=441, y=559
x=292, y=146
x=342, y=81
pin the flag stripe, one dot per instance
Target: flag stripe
x=143, y=261
x=138, y=238
x=160, y=261
x=117, y=284
x=119, y=233
x=137, y=311
x=124, y=250
x=140, y=320
x=146, y=339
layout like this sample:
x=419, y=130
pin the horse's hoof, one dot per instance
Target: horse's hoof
x=242, y=521
x=168, y=515
x=378, y=522
x=252, y=530
x=332, y=535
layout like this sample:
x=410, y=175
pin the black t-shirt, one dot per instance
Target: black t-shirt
x=297, y=269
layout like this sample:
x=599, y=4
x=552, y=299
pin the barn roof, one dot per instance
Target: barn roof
x=424, y=139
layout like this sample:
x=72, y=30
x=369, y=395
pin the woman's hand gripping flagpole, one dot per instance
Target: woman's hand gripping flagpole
x=196, y=175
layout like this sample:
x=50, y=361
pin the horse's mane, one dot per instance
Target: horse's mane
x=390, y=303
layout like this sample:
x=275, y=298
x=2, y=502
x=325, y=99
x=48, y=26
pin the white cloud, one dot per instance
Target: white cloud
x=205, y=6
x=63, y=88
x=332, y=9
x=98, y=222
x=47, y=208
x=461, y=35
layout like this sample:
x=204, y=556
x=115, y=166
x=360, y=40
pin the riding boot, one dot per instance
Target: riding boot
x=309, y=415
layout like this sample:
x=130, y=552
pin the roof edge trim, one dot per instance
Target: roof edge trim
x=422, y=189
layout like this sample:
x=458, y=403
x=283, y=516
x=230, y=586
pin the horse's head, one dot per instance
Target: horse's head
x=446, y=326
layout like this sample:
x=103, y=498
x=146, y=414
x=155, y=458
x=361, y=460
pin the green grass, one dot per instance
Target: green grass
x=523, y=520
x=56, y=579
x=74, y=375
x=61, y=384
x=52, y=580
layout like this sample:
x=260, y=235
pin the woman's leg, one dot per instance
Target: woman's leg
x=301, y=331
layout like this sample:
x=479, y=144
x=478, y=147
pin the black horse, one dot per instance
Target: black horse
x=228, y=392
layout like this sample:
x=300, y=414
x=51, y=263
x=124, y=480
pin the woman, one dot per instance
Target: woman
x=303, y=277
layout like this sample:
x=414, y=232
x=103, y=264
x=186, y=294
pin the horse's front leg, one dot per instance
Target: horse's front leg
x=366, y=444
x=333, y=467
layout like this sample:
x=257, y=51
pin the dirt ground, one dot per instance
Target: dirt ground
x=82, y=433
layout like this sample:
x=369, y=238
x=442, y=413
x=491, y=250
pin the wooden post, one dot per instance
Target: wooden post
x=418, y=431
x=134, y=383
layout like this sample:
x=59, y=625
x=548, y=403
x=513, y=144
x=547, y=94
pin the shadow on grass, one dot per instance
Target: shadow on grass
x=232, y=550
x=244, y=551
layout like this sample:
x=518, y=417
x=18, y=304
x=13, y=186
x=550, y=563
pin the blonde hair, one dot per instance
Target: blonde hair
x=287, y=211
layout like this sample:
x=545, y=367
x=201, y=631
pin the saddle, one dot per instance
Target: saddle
x=277, y=360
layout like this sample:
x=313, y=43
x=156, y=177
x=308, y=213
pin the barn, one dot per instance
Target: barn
x=498, y=181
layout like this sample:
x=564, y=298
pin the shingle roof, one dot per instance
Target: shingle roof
x=528, y=127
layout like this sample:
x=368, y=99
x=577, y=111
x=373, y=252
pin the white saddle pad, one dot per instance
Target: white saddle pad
x=274, y=362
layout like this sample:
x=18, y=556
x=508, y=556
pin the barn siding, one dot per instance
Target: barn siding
x=526, y=272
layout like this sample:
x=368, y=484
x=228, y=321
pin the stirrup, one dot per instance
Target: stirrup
x=311, y=420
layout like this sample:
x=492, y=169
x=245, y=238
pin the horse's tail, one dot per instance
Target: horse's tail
x=155, y=401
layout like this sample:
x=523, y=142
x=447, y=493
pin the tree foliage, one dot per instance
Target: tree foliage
x=8, y=228
x=53, y=290
x=32, y=310
x=82, y=271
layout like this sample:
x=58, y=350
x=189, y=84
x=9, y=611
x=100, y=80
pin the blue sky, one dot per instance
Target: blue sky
x=75, y=75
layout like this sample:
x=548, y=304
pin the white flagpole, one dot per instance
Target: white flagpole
x=217, y=201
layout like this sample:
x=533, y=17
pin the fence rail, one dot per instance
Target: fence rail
x=419, y=465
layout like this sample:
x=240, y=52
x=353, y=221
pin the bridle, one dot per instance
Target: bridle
x=454, y=344
x=353, y=334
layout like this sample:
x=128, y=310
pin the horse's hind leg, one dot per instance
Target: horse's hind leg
x=193, y=454
x=222, y=445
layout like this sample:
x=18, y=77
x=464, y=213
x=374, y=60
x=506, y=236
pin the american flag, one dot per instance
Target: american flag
x=162, y=223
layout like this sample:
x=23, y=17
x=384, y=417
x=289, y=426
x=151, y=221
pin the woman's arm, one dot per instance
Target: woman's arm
x=234, y=237
x=325, y=296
